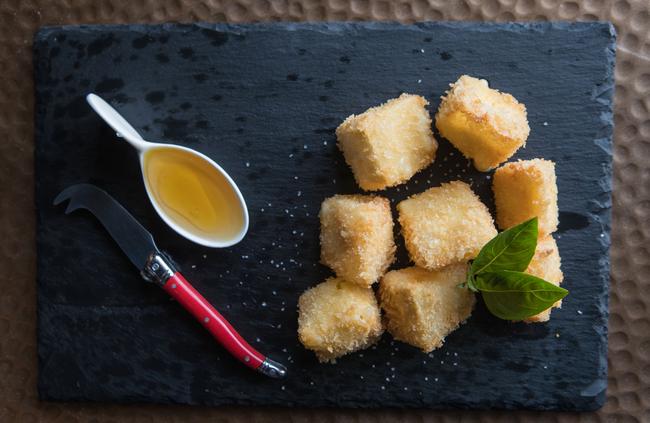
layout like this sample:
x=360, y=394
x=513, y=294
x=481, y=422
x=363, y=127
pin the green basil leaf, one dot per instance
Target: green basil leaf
x=512, y=249
x=470, y=283
x=515, y=295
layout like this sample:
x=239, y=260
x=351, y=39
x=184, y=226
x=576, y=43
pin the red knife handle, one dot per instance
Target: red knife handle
x=183, y=292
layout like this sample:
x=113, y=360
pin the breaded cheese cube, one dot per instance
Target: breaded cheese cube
x=357, y=237
x=388, y=144
x=445, y=225
x=338, y=317
x=422, y=306
x=486, y=125
x=546, y=265
x=523, y=190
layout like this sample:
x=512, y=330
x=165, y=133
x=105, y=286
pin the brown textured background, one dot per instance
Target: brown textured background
x=628, y=398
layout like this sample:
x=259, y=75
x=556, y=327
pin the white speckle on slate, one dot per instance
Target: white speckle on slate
x=419, y=81
x=545, y=123
x=579, y=311
x=248, y=164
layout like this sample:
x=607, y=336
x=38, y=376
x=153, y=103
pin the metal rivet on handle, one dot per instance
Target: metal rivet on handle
x=173, y=286
x=206, y=319
x=247, y=359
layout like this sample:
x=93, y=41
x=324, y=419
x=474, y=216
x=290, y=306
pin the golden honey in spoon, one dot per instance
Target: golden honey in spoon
x=193, y=193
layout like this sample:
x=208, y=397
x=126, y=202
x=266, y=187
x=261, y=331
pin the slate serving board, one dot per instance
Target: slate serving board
x=263, y=101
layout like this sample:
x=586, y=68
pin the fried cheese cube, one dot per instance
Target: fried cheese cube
x=546, y=265
x=486, y=125
x=523, y=190
x=357, y=237
x=338, y=317
x=445, y=225
x=422, y=306
x=388, y=144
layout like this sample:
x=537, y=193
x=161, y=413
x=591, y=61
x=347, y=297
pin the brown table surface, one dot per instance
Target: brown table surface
x=628, y=396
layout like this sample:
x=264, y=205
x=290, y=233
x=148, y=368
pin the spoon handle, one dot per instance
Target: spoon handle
x=116, y=121
x=183, y=292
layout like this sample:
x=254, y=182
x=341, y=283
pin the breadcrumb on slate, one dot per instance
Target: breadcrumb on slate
x=486, y=125
x=388, y=144
x=422, y=307
x=445, y=225
x=546, y=265
x=357, y=237
x=525, y=189
x=338, y=317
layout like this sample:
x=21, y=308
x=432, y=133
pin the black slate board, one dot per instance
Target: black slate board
x=263, y=100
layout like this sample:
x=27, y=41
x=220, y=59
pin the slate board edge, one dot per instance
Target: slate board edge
x=601, y=213
x=328, y=27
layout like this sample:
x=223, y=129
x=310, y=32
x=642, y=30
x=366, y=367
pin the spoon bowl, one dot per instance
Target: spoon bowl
x=190, y=192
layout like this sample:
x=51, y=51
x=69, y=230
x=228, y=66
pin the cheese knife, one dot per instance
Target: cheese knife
x=156, y=267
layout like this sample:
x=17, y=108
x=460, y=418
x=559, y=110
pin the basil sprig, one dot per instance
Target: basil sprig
x=498, y=274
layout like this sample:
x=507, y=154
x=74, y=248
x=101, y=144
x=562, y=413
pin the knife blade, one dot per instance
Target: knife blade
x=136, y=242
x=139, y=246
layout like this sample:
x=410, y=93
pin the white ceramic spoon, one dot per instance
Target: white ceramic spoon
x=126, y=131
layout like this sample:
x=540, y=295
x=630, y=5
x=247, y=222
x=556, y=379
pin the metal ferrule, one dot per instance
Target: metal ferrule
x=158, y=268
x=272, y=369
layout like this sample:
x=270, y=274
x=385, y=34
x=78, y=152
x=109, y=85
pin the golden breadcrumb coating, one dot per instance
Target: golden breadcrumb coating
x=445, y=225
x=422, y=306
x=356, y=237
x=337, y=317
x=546, y=265
x=486, y=125
x=388, y=144
x=523, y=190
